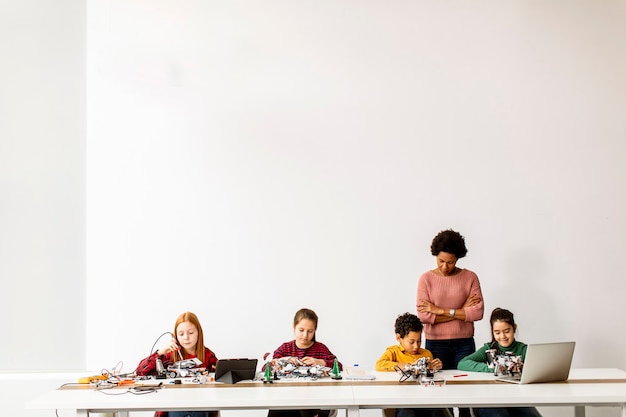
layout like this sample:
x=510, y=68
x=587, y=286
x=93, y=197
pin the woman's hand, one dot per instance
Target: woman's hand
x=426, y=306
x=472, y=300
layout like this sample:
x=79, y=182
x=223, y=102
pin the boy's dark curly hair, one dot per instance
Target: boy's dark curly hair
x=449, y=241
x=406, y=323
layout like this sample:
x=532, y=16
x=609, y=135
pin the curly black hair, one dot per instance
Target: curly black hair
x=406, y=323
x=449, y=241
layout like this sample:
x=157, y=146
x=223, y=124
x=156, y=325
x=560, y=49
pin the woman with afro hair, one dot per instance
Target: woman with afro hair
x=449, y=301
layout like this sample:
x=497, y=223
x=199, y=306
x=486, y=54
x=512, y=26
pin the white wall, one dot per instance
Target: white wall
x=245, y=159
x=42, y=184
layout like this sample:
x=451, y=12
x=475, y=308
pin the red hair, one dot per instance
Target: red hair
x=193, y=319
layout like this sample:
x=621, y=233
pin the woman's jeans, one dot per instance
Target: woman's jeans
x=299, y=413
x=507, y=412
x=451, y=351
x=420, y=412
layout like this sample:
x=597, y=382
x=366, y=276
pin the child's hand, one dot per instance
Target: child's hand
x=435, y=365
x=172, y=346
x=309, y=361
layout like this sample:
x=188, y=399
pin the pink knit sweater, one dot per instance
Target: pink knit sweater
x=450, y=292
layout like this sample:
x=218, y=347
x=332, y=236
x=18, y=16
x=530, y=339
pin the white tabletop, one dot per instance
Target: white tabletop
x=469, y=395
x=585, y=387
x=201, y=397
x=467, y=389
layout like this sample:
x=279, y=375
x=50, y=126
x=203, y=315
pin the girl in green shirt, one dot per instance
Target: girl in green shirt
x=503, y=329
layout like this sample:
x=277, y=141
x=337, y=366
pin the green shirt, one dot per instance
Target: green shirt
x=477, y=361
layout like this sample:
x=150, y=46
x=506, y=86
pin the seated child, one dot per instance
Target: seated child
x=503, y=329
x=304, y=349
x=187, y=343
x=408, y=351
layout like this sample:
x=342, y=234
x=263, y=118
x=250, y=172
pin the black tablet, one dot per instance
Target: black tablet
x=231, y=371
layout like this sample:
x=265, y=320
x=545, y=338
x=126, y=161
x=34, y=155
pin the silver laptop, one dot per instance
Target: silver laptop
x=545, y=362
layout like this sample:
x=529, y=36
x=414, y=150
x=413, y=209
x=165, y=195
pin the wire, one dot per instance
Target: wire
x=104, y=390
x=115, y=376
x=156, y=341
x=404, y=375
x=118, y=368
x=140, y=390
x=71, y=384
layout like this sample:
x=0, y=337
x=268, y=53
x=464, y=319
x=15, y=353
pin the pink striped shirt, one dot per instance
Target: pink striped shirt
x=450, y=292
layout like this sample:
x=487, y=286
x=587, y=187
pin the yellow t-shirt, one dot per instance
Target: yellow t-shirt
x=396, y=354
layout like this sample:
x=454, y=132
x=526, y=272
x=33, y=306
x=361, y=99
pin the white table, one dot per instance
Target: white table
x=597, y=387
x=586, y=387
x=240, y=396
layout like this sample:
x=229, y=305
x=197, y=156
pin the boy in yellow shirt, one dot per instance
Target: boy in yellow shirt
x=408, y=351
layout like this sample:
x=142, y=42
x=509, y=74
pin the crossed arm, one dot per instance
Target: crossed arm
x=442, y=314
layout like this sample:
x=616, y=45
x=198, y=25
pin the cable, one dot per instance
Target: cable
x=118, y=368
x=156, y=341
x=104, y=390
x=71, y=384
x=140, y=390
x=404, y=376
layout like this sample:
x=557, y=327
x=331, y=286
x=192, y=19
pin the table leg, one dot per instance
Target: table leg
x=352, y=411
x=579, y=411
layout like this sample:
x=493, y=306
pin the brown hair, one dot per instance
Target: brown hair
x=305, y=313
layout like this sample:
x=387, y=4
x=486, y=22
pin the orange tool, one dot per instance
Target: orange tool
x=88, y=379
